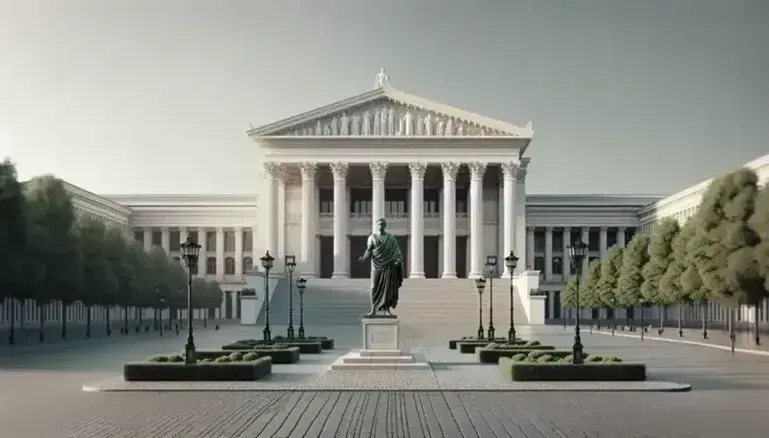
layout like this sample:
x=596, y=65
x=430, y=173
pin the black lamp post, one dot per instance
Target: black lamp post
x=577, y=252
x=491, y=271
x=290, y=266
x=301, y=283
x=480, y=285
x=511, y=261
x=162, y=307
x=189, y=252
x=267, y=261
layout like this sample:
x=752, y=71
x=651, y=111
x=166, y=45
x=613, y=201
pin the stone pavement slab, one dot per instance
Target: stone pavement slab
x=718, y=339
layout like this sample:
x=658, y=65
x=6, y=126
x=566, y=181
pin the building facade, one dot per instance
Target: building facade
x=451, y=184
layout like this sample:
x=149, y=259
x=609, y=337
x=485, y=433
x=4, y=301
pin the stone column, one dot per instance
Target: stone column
x=165, y=239
x=417, y=240
x=239, y=252
x=341, y=217
x=378, y=172
x=477, y=258
x=621, y=236
x=603, y=238
x=529, y=248
x=220, y=254
x=309, y=215
x=147, y=239
x=509, y=175
x=520, y=214
x=449, y=211
x=203, y=254
x=548, y=254
x=565, y=260
x=585, y=238
x=273, y=174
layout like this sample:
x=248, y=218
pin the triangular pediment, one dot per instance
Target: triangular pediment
x=386, y=111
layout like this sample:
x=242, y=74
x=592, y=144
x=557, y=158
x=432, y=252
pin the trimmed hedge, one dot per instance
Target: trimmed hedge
x=547, y=368
x=469, y=347
x=199, y=372
x=453, y=343
x=493, y=355
x=286, y=355
x=305, y=347
x=325, y=343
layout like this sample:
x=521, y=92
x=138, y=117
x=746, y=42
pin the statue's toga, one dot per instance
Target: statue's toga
x=387, y=260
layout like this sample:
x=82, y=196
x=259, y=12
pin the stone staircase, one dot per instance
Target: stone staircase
x=326, y=302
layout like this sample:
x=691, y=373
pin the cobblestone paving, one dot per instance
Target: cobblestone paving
x=40, y=397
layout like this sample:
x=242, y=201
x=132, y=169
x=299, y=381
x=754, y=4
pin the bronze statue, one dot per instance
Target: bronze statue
x=387, y=260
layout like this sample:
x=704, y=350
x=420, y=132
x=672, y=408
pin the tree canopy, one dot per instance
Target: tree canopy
x=660, y=257
x=591, y=285
x=634, y=258
x=570, y=293
x=608, y=279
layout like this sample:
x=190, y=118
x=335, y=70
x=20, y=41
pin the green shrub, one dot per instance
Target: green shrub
x=613, y=359
x=520, y=357
x=236, y=356
x=534, y=355
x=207, y=360
x=545, y=358
x=532, y=343
x=492, y=346
x=158, y=359
x=594, y=359
x=278, y=346
x=248, y=357
x=175, y=358
x=223, y=359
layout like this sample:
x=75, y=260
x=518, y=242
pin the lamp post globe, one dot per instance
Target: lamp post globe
x=190, y=252
x=290, y=267
x=491, y=272
x=267, y=263
x=301, y=283
x=511, y=262
x=480, y=286
x=577, y=253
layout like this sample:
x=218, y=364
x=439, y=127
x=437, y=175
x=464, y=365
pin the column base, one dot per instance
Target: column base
x=339, y=275
x=307, y=275
x=417, y=275
x=475, y=275
x=449, y=275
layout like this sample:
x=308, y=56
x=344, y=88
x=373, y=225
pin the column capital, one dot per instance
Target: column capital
x=621, y=229
x=604, y=229
x=273, y=169
x=510, y=170
x=417, y=169
x=530, y=229
x=477, y=169
x=339, y=170
x=378, y=169
x=523, y=167
x=308, y=170
x=237, y=229
x=450, y=170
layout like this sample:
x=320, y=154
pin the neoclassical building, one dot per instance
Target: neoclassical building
x=451, y=184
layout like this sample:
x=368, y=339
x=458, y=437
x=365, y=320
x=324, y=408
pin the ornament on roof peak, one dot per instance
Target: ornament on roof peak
x=382, y=78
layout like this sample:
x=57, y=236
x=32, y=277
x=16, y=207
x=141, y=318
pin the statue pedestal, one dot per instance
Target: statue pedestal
x=381, y=349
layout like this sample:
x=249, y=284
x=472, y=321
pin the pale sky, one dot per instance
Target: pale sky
x=139, y=96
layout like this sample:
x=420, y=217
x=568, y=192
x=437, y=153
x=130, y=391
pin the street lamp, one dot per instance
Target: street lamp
x=480, y=285
x=301, y=283
x=267, y=261
x=491, y=271
x=162, y=307
x=577, y=252
x=189, y=252
x=290, y=266
x=511, y=261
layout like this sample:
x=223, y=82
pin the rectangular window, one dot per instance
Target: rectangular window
x=157, y=238
x=175, y=240
x=139, y=236
x=248, y=241
x=229, y=241
x=210, y=241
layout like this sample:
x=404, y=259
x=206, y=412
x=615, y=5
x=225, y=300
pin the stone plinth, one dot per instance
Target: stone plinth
x=381, y=349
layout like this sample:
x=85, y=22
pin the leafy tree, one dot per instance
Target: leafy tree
x=742, y=271
x=660, y=257
x=569, y=298
x=13, y=238
x=591, y=298
x=606, y=286
x=53, y=246
x=670, y=283
x=98, y=277
x=116, y=251
x=634, y=259
x=760, y=223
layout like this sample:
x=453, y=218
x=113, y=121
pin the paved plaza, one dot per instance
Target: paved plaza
x=41, y=395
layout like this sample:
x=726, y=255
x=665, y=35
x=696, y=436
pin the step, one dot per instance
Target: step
x=353, y=361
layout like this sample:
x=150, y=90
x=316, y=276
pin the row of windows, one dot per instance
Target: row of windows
x=539, y=264
x=210, y=243
x=229, y=265
x=594, y=237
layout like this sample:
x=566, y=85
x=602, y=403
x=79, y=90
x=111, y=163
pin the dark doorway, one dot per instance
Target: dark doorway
x=431, y=257
x=461, y=257
x=227, y=306
x=358, y=269
x=547, y=305
x=557, y=305
x=326, y=256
